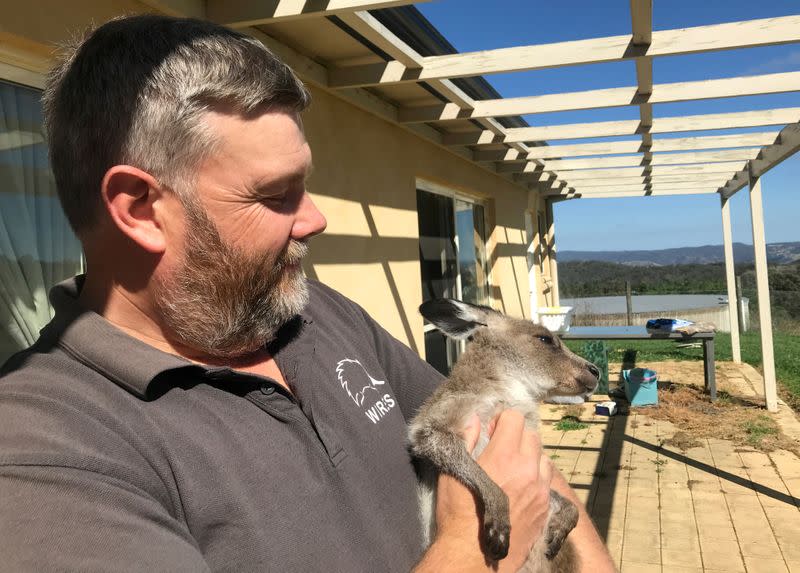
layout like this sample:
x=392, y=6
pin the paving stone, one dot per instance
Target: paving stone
x=688, y=542
x=761, y=565
x=723, y=555
x=641, y=547
x=634, y=567
x=672, y=557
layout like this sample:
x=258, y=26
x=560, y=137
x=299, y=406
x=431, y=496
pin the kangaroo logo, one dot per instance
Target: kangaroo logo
x=355, y=379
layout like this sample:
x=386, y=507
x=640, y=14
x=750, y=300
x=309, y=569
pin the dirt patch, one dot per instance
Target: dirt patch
x=743, y=422
x=683, y=441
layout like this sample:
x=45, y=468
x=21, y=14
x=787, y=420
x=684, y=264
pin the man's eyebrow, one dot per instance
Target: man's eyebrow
x=266, y=183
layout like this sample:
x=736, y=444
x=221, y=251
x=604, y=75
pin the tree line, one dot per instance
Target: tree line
x=579, y=279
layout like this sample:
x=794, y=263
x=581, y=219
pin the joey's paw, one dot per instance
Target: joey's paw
x=561, y=523
x=496, y=537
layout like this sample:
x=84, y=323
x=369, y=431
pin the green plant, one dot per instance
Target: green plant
x=570, y=423
x=759, y=429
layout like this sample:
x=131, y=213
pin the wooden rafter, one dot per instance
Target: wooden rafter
x=623, y=194
x=781, y=116
x=604, y=98
x=652, y=179
x=750, y=33
x=658, y=145
x=643, y=159
x=728, y=167
x=788, y=144
x=371, y=29
x=244, y=13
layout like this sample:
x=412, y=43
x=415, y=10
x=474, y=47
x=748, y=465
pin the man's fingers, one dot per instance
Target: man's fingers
x=545, y=470
x=508, y=430
x=531, y=444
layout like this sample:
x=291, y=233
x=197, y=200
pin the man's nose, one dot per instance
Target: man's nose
x=309, y=221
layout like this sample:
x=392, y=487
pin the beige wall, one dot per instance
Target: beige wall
x=365, y=176
x=365, y=173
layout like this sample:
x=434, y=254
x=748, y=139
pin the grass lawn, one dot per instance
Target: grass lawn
x=787, y=354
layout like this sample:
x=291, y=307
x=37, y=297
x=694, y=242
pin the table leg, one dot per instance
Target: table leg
x=709, y=369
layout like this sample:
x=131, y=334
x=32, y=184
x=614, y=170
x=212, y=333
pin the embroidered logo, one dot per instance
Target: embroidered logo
x=363, y=389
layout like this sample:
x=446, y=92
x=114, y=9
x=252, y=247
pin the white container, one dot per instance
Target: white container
x=556, y=318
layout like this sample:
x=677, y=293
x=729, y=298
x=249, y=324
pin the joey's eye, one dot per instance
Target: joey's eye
x=546, y=339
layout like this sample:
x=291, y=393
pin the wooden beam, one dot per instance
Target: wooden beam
x=623, y=194
x=733, y=120
x=605, y=98
x=582, y=188
x=552, y=251
x=763, y=32
x=713, y=141
x=787, y=144
x=370, y=28
x=244, y=13
x=729, y=167
x=683, y=158
x=762, y=289
x=652, y=179
x=621, y=147
x=730, y=279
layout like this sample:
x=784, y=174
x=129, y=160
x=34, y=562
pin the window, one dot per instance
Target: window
x=37, y=246
x=452, y=253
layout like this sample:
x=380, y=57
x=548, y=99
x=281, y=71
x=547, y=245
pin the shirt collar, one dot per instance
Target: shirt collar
x=129, y=362
x=94, y=341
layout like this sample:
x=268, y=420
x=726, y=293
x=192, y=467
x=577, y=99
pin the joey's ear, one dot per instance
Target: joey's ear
x=133, y=200
x=454, y=318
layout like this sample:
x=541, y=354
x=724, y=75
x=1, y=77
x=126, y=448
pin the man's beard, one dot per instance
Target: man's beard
x=222, y=302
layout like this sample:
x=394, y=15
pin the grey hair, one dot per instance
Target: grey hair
x=134, y=91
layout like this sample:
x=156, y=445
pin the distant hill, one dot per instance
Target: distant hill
x=777, y=253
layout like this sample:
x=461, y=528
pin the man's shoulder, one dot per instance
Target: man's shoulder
x=324, y=301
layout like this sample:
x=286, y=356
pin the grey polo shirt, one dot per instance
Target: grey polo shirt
x=115, y=456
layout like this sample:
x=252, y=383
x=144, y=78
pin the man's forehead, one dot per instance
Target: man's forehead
x=274, y=141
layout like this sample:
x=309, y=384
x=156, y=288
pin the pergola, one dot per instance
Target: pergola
x=422, y=93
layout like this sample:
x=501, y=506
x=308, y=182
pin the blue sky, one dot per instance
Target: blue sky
x=653, y=222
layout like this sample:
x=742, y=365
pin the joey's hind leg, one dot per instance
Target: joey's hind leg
x=446, y=451
x=563, y=519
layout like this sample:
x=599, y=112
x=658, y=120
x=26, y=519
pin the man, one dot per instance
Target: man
x=196, y=404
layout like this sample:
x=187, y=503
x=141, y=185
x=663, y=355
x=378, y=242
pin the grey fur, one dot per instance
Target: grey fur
x=510, y=363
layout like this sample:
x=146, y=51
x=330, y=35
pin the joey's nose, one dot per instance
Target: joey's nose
x=593, y=369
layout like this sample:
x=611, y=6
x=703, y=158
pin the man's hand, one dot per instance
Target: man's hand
x=513, y=459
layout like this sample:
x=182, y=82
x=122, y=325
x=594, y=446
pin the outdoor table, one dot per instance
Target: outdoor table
x=642, y=333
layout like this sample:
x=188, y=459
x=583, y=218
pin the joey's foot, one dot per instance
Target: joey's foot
x=496, y=538
x=559, y=527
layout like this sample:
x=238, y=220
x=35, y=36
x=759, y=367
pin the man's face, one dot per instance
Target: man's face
x=234, y=273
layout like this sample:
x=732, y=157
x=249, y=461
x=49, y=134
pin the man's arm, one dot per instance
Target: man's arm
x=513, y=459
x=68, y=519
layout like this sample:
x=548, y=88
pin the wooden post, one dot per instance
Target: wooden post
x=762, y=285
x=733, y=313
x=740, y=305
x=629, y=302
x=551, y=246
x=530, y=256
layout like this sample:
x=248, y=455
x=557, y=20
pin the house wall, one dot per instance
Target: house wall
x=364, y=181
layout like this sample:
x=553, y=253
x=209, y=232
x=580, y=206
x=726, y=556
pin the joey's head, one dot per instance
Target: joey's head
x=516, y=349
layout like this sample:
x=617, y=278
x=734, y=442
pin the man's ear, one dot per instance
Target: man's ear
x=131, y=197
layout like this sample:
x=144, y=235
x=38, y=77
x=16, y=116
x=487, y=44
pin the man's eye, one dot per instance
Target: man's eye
x=274, y=199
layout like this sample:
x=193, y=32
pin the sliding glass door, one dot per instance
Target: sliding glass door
x=452, y=252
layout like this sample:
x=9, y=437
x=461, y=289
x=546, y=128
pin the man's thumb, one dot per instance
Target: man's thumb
x=472, y=432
